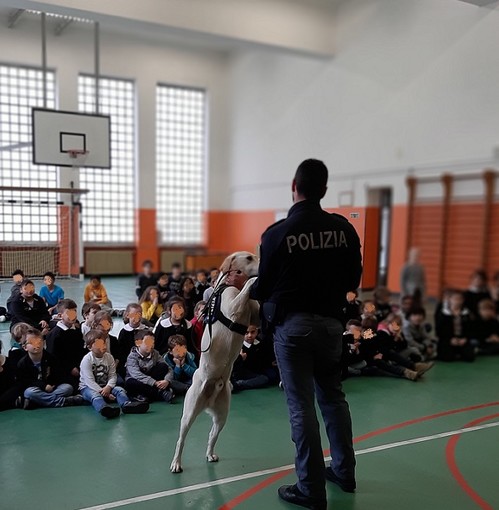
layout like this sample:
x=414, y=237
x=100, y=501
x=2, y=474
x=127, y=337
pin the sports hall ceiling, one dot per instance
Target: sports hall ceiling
x=298, y=26
x=302, y=26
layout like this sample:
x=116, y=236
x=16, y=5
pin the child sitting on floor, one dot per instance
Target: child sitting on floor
x=133, y=323
x=9, y=391
x=248, y=371
x=174, y=323
x=88, y=312
x=152, y=308
x=98, y=380
x=41, y=377
x=65, y=342
x=453, y=327
x=416, y=333
x=352, y=360
x=485, y=330
x=352, y=308
x=181, y=362
x=148, y=376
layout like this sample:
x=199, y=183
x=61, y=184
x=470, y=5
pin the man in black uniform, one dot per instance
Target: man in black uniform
x=304, y=311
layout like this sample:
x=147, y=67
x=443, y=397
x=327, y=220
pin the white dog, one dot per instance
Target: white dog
x=211, y=388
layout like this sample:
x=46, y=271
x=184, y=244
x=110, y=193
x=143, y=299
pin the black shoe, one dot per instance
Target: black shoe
x=292, y=494
x=140, y=398
x=28, y=405
x=110, y=412
x=135, y=407
x=75, y=400
x=345, y=485
x=168, y=396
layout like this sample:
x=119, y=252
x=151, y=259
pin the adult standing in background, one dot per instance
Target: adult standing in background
x=304, y=310
x=413, y=278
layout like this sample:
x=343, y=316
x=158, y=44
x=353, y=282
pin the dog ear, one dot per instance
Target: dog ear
x=226, y=264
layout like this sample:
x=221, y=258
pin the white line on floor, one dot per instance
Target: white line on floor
x=256, y=474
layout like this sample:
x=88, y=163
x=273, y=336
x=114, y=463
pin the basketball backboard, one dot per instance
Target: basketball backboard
x=58, y=134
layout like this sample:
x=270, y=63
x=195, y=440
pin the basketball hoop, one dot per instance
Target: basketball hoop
x=78, y=156
x=76, y=153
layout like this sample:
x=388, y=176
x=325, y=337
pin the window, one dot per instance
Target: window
x=27, y=216
x=109, y=208
x=180, y=157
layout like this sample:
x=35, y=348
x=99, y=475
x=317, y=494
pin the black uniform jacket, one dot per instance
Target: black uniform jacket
x=308, y=262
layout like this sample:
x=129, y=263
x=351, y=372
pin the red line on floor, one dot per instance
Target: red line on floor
x=268, y=481
x=253, y=490
x=450, y=454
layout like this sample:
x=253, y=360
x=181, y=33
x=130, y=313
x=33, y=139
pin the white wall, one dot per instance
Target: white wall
x=414, y=85
x=412, y=88
x=145, y=62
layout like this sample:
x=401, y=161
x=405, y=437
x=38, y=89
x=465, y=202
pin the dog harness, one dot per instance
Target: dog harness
x=213, y=313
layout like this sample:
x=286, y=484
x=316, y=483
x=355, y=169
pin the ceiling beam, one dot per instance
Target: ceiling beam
x=62, y=25
x=14, y=17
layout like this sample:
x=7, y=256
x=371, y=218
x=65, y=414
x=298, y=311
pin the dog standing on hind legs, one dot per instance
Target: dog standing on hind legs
x=230, y=311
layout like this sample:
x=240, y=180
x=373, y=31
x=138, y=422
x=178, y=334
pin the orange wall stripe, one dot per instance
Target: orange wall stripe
x=147, y=239
x=398, y=242
x=371, y=247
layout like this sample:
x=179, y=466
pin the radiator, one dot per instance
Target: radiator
x=109, y=261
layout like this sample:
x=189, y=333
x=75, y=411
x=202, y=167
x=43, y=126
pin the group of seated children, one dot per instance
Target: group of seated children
x=56, y=361
x=385, y=339
x=155, y=290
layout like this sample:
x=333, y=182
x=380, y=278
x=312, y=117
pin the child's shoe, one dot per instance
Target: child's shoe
x=135, y=407
x=168, y=395
x=412, y=375
x=110, y=412
x=75, y=400
x=421, y=368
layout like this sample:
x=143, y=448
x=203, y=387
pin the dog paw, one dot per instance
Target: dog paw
x=212, y=458
x=175, y=467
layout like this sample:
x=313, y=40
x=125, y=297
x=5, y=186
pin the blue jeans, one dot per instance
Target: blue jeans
x=308, y=351
x=98, y=401
x=44, y=399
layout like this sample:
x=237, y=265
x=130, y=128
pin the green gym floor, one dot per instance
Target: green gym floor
x=433, y=444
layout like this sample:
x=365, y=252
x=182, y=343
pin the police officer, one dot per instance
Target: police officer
x=308, y=262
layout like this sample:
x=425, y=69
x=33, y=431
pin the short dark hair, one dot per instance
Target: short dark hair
x=416, y=310
x=176, y=340
x=49, y=274
x=354, y=322
x=370, y=323
x=175, y=300
x=18, y=271
x=66, y=304
x=311, y=179
x=95, y=277
x=140, y=334
x=85, y=309
x=147, y=262
x=27, y=281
